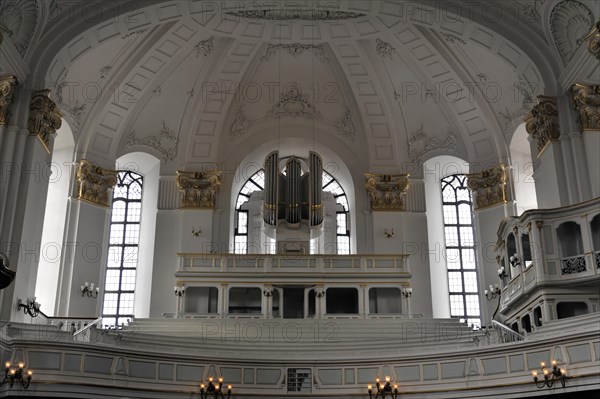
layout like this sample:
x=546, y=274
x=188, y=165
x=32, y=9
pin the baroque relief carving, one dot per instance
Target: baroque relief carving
x=164, y=142
x=241, y=122
x=345, y=126
x=94, y=183
x=294, y=104
x=489, y=187
x=7, y=95
x=386, y=192
x=586, y=100
x=199, y=188
x=526, y=91
x=20, y=19
x=295, y=49
x=542, y=122
x=384, y=49
x=44, y=117
x=294, y=14
x=593, y=39
x=420, y=144
x=205, y=47
x=570, y=22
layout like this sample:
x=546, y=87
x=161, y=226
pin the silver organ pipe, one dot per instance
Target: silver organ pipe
x=271, y=181
x=315, y=189
x=293, y=174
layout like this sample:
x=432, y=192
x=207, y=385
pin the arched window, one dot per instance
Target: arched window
x=256, y=182
x=460, y=250
x=124, y=238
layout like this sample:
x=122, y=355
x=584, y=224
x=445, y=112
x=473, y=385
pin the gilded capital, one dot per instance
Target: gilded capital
x=542, y=122
x=199, y=188
x=593, y=39
x=7, y=95
x=539, y=224
x=386, y=192
x=489, y=186
x=94, y=183
x=586, y=100
x=44, y=117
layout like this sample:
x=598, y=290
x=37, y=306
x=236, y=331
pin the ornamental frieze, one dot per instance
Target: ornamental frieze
x=386, y=192
x=199, y=189
x=586, y=100
x=94, y=183
x=542, y=122
x=489, y=187
x=7, y=95
x=44, y=117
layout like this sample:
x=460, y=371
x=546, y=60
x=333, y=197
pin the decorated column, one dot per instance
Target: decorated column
x=543, y=128
x=25, y=197
x=491, y=202
x=85, y=253
x=586, y=102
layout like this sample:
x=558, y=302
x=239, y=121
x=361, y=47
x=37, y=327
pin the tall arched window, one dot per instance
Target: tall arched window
x=119, y=284
x=460, y=250
x=256, y=182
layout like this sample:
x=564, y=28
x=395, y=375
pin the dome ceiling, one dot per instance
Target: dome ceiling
x=194, y=82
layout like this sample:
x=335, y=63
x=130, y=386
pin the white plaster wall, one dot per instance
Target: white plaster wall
x=167, y=243
x=547, y=180
x=54, y=219
x=522, y=171
x=410, y=237
x=592, y=149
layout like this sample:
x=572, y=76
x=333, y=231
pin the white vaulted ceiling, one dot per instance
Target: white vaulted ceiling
x=192, y=82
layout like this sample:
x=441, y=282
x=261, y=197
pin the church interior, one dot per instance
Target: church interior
x=307, y=199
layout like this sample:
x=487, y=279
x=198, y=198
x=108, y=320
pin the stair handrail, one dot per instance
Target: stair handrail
x=507, y=331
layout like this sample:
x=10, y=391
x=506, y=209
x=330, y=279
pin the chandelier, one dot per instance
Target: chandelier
x=16, y=374
x=383, y=389
x=550, y=375
x=214, y=389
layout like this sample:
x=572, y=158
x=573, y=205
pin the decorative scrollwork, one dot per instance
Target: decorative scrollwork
x=593, y=39
x=7, y=95
x=44, y=117
x=165, y=142
x=542, y=122
x=419, y=144
x=573, y=265
x=199, y=188
x=586, y=100
x=295, y=14
x=94, y=183
x=489, y=187
x=295, y=49
x=386, y=192
x=294, y=104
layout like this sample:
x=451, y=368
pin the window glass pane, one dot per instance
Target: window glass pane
x=466, y=236
x=450, y=214
x=130, y=257
x=118, y=211
x=128, y=280
x=116, y=234
x=470, y=281
x=242, y=222
x=114, y=257
x=472, y=305
x=341, y=223
x=112, y=280
x=453, y=258
x=132, y=234
x=457, y=307
x=455, y=281
x=126, y=304
x=110, y=304
x=464, y=214
x=468, y=258
x=134, y=211
x=343, y=245
x=451, y=235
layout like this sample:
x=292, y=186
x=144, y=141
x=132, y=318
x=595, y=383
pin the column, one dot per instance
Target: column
x=407, y=293
x=320, y=304
x=267, y=302
x=585, y=100
x=537, y=249
x=85, y=253
x=24, y=192
x=492, y=202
